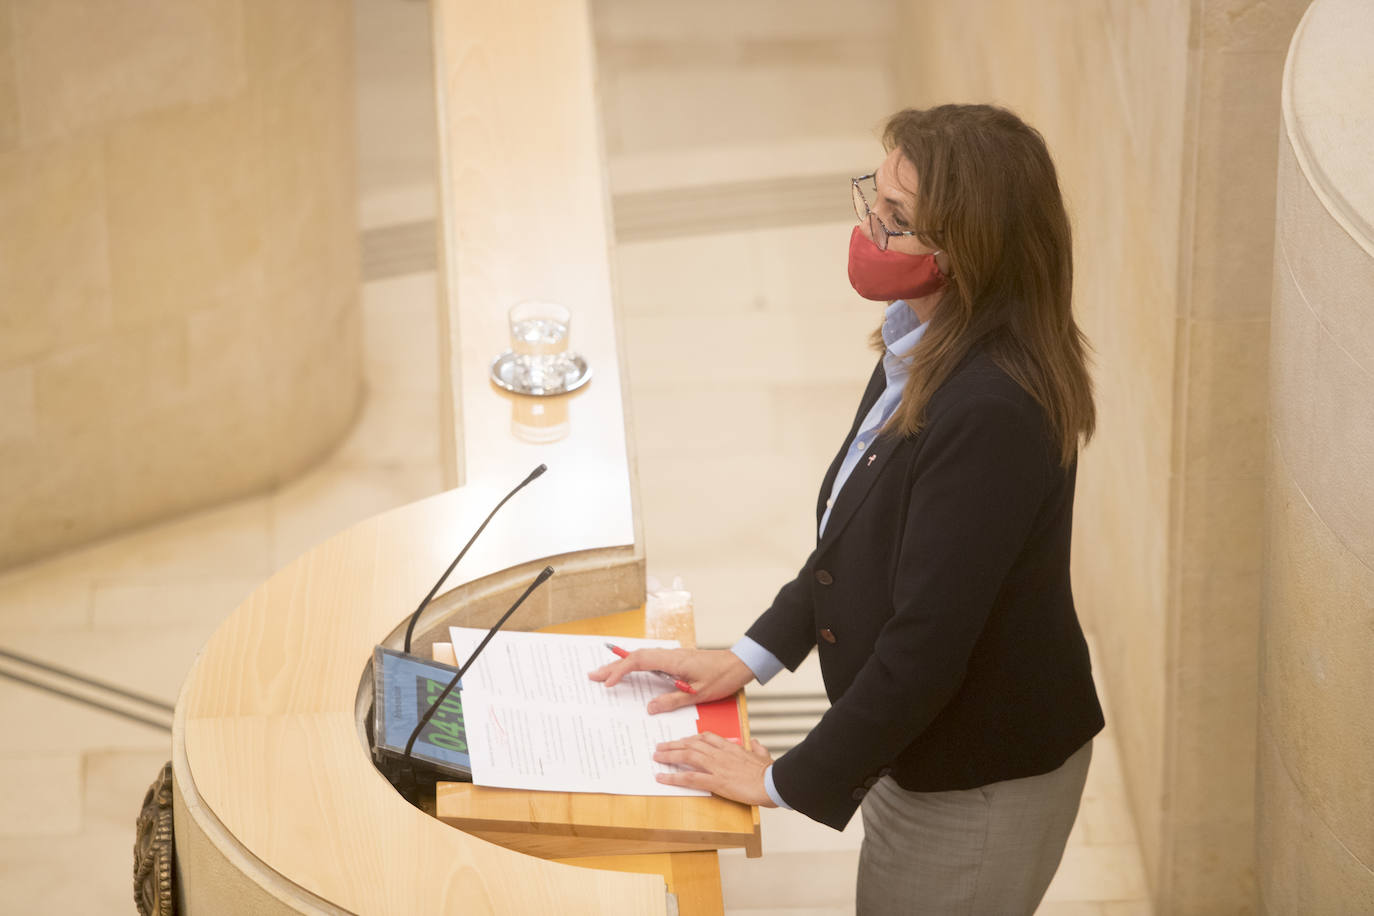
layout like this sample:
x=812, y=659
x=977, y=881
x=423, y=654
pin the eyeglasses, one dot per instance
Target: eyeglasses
x=876, y=227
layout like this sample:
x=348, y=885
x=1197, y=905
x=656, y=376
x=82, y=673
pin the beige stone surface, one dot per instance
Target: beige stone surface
x=1127, y=908
x=113, y=784
x=806, y=69
x=308, y=182
x=40, y=597
x=133, y=604
x=282, y=37
x=389, y=432
x=81, y=65
x=232, y=340
x=663, y=412
x=1247, y=25
x=156, y=660
x=185, y=206
x=105, y=380
x=1302, y=866
x=1228, y=202
x=1314, y=250
x=1099, y=872
x=1219, y=855
x=1324, y=418
x=309, y=510
x=18, y=413
x=1237, y=132
x=42, y=795
x=9, y=97
x=821, y=877
x=1296, y=337
x=226, y=540
x=397, y=146
x=198, y=469
x=786, y=93
x=54, y=274
x=179, y=311
x=1131, y=662
x=319, y=387
x=1211, y=785
x=401, y=321
x=1228, y=390
x=1316, y=678
x=1329, y=72
x=39, y=878
x=629, y=20
x=734, y=342
x=780, y=271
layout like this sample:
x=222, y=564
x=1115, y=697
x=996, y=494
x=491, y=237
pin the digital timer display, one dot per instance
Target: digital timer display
x=404, y=687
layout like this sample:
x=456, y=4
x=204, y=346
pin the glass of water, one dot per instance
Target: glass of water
x=539, y=339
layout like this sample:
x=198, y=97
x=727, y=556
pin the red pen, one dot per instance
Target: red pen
x=679, y=684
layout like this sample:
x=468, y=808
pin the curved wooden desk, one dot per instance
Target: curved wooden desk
x=278, y=806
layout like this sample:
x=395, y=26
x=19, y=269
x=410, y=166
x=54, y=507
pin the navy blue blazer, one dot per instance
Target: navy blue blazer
x=940, y=604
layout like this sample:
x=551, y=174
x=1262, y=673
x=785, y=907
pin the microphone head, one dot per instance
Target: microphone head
x=543, y=575
x=535, y=473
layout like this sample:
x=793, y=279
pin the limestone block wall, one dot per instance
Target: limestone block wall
x=1316, y=723
x=179, y=317
x=1162, y=118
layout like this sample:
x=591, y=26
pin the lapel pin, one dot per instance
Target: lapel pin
x=871, y=458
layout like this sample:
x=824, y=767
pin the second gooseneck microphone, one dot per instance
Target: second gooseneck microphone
x=415, y=617
x=453, y=682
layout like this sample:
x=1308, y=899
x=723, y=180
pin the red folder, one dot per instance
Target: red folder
x=720, y=717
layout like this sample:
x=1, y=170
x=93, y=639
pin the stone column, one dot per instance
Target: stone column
x=1315, y=806
x=179, y=314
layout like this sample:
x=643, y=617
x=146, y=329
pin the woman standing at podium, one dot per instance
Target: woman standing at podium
x=938, y=595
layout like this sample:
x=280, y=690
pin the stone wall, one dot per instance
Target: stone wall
x=1316, y=724
x=179, y=317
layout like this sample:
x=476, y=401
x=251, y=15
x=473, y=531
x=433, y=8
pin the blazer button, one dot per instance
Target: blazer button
x=828, y=635
x=823, y=577
x=885, y=771
x=870, y=782
x=858, y=794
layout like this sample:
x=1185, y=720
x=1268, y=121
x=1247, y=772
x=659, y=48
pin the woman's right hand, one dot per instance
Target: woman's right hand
x=714, y=673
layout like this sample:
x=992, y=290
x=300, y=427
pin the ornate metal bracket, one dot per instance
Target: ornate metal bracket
x=154, y=853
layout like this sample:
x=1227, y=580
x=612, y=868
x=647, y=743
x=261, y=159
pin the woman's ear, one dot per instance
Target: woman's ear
x=942, y=262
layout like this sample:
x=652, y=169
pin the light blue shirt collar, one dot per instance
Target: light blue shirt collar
x=902, y=330
x=899, y=321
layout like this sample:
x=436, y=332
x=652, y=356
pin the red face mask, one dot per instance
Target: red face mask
x=887, y=275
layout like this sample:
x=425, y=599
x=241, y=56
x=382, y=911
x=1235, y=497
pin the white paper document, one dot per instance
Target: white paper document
x=534, y=719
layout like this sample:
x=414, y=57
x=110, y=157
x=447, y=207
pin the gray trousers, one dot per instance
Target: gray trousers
x=989, y=851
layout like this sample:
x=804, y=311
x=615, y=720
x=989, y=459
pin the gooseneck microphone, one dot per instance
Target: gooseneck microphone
x=453, y=682
x=414, y=618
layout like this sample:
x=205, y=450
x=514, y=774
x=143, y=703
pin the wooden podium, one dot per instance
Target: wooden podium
x=673, y=836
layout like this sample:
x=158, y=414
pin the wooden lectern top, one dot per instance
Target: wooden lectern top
x=563, y=824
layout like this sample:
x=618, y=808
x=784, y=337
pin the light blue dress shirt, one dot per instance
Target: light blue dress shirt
x=901, y=332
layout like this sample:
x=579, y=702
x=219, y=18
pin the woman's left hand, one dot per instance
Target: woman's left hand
x=718, y=766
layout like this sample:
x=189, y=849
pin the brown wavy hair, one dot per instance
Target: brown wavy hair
x=989, y=198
